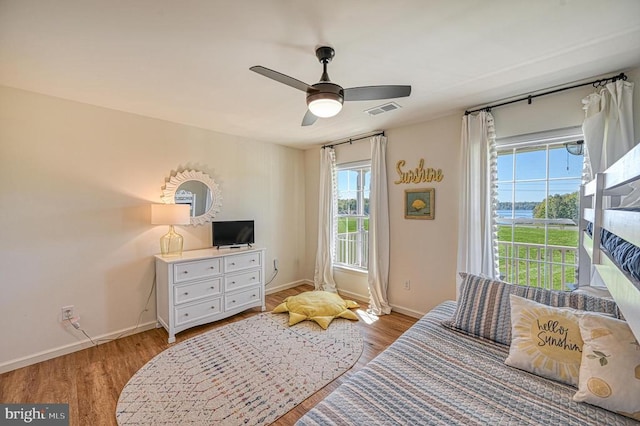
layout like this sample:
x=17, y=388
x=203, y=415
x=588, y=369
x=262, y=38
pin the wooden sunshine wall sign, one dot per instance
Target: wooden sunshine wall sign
x=419, y=174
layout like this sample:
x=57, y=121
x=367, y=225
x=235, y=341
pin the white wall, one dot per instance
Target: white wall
x=76, y=183
x=422, y=251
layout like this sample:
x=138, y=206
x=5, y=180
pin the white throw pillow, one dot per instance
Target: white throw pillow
x=610, y=369
x=545, y=340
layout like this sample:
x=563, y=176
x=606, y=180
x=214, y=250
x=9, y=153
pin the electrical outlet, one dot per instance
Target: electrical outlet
x=407, y=285
x=67, y=312
x=275, y=264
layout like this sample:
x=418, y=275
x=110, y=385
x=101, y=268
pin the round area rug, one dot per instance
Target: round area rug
x=249, y=372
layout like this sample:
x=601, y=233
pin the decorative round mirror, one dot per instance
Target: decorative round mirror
x=196, y=189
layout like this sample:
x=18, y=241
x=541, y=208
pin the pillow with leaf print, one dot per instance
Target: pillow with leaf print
x=545, y=340
x=610, y=369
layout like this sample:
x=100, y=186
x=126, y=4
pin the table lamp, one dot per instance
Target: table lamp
x=171, y=214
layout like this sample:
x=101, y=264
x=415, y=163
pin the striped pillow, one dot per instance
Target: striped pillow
x=484, y=310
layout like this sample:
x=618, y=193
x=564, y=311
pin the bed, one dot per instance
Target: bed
x=450, y=367
x=433, y=375
x=610, y=243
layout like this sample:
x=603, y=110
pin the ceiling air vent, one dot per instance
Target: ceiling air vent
x=382, y=108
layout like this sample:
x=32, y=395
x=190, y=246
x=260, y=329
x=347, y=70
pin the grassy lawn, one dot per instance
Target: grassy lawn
x=557, y=236
x=535, y=235
x=344, y=223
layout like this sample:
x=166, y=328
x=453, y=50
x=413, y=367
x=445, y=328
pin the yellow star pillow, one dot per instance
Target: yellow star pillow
x=319, y=306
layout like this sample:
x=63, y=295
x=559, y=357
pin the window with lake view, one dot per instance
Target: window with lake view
x=538, y=188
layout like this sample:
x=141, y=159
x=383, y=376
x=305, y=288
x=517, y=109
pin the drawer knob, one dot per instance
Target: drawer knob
x=186, y=315
x=253, y=278
x=213, y=307
x=185, y=272
x=233, y=301
x=213, y=288
x=233, y=263
x=233, y=282
x=212, y=267
x=253, y=295
x=253, y=260
x=186, y=293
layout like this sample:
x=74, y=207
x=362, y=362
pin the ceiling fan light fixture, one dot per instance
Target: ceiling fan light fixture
x=325, y=99
x=324, y=105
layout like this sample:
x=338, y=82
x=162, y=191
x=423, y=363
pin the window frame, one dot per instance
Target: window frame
x=513, y=146
x=360, y=263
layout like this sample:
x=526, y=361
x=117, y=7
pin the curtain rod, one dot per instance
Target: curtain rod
x=350, y=140
x=595, y=83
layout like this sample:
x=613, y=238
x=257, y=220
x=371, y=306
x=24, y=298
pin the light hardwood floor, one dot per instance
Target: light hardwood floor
x=91, y=380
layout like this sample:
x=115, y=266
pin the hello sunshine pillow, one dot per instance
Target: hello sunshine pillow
x=545, y=340
x=610, y=369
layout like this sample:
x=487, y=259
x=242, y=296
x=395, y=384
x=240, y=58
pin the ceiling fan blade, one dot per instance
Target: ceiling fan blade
x=309, y=119
x=281, y=78
x=368, y=93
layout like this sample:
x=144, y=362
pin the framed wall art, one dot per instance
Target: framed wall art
x=419, y=203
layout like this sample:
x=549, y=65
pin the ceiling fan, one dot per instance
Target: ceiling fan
x=324, y=99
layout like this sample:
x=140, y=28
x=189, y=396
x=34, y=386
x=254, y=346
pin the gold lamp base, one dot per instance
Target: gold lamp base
x=171, y=243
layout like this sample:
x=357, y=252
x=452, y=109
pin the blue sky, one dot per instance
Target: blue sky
x=565, y=171
x=351, y=184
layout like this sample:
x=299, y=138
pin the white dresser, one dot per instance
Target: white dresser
x=206, y=285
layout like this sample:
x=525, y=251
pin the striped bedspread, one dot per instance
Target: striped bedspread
x=433, y=375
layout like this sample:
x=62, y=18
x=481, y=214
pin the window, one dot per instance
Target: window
x=538, y=185
x=352, y=219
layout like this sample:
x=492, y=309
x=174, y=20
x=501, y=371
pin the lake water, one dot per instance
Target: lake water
x=517, y=213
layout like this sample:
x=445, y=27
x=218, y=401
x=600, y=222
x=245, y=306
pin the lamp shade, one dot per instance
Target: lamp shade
x=170, y=214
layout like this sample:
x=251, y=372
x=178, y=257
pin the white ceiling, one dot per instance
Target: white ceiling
x=188, y=61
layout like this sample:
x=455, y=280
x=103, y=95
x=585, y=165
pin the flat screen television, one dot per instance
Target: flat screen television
x=232, y=233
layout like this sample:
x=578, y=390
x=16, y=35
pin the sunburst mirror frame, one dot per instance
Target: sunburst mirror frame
x=174, y=182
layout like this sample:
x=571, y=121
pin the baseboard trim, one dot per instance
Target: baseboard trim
x=355, y=296
x=396, y=308
x=70, y=348
x=271, y=290
x=407, y=311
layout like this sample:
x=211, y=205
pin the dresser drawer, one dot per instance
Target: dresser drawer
x=189, y=292
x=241, y=261
x=197, y=311
x=241, y=298
x=193, y=270
x=236, y=281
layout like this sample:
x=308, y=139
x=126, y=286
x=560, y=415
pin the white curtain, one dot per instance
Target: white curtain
x=378, y=271
x=608, y=126
x=323, y=277
x=608, y=130
x=477, y=230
